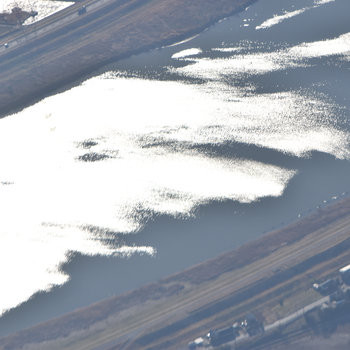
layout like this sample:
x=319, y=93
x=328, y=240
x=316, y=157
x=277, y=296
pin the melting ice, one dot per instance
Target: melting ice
x=102, y=158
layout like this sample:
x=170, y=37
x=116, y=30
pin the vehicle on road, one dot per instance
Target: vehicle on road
x=82, y=10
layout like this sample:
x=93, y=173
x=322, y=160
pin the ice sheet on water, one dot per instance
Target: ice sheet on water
x=186, y=53
x=102, y=158
x=57, y=196
x=278, y=18
x=250, y=63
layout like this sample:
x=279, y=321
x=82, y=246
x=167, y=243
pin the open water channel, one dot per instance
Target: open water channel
x=171, y=157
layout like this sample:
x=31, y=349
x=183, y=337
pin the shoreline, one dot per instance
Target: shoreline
x=145, y=25
x=179, y=287
x=205, y=276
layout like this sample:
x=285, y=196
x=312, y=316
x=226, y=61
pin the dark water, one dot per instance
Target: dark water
x=322, y=173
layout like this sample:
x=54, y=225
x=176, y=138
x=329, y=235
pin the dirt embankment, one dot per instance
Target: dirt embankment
x=33, y=70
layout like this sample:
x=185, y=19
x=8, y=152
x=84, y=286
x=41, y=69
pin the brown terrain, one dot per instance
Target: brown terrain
x=271, y=276
x=60, y=54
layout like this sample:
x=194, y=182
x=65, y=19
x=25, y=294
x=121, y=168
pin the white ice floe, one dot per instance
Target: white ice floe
x=186, y=53
x=279, y=18
x=263, y=62
x=276, y=19
x=330, y=47
x=227, y=49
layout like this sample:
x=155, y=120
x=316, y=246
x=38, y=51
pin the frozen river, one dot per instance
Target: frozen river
x=173, y=156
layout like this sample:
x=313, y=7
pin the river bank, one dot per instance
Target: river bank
x=44, y=64
x=219, y=226
x=255, y=276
